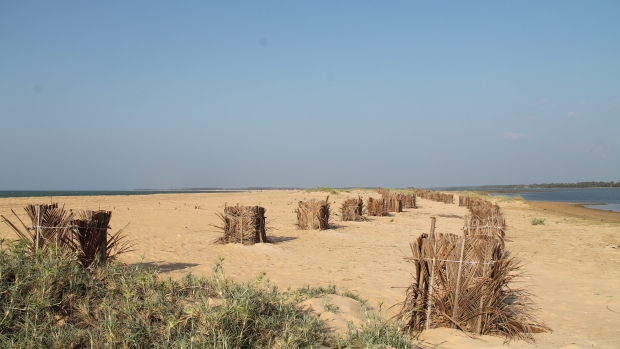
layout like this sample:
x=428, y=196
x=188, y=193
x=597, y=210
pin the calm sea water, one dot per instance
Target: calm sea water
x=33, y=193
x=607, y=199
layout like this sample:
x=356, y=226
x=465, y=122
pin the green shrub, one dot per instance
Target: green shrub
x=376, y=333
x=538, y=221
x=50, y=301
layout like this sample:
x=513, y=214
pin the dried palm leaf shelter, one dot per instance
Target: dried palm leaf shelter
x=376, y=207
x=463, y=282
x=91, y=238
x=50, y=226
x=352, y=209
x=243, y=225
x=85, y=233
x=313, y=214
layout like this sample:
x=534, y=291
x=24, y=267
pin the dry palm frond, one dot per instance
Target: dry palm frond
x=486, y=218
x=375, y=207
x=435, y=196
x=409, y=200
x=494, y=225
x=352, y=209
x=463, y=282
x=392, y=202
x=51, y=226
x=313, y=214
x=243, y=224
x=91, y=239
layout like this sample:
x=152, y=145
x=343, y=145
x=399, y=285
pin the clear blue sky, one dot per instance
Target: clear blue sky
x=161, y=94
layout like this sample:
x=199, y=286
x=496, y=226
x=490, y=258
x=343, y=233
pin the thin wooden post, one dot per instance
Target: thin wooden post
x=103, y=234
x=458, y=284
x=38, y=228
x=432, y=280
x=240, y=222
x=484, y=277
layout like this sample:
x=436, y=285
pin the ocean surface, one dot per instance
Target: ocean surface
x=45, y=193
x=606, y=199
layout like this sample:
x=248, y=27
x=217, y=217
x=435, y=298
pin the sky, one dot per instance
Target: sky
x=119, y=95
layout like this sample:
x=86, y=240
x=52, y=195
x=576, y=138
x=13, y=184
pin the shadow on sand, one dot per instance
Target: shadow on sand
x=166, y=267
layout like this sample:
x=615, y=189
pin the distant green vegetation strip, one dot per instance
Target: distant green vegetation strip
x=497, y=198
x=49, y=300
x=323, y=189
x=611, y=184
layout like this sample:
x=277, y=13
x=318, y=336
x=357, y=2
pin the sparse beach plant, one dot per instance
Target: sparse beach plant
x=328, y=306
x=538, y=221
x=375, y=333
x=323, y=190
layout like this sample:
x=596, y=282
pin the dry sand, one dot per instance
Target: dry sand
x=573, y=261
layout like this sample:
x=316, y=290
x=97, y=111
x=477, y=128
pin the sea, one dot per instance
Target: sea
x=606, y=199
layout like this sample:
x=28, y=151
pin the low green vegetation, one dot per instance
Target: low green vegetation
x=323, y=189
x=494, y=198
x=538, y=221
x=49, y=300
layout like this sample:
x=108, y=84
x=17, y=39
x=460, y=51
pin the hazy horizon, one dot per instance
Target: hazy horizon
x=124, y=95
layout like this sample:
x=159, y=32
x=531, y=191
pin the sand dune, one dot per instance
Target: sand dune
x=573, y=263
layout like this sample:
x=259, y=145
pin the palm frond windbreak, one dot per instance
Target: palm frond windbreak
x=84, y=232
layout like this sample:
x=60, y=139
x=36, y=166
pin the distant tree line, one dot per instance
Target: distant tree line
x=611, y=184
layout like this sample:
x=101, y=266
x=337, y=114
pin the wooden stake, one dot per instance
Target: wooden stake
x=430, y=291
x=240, y=222
x=38, y=228
x=458, y=283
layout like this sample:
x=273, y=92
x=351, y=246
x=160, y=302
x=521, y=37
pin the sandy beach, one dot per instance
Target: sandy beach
x=572, y=261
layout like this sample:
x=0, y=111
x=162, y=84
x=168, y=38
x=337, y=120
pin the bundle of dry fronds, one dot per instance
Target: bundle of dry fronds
x=492, y=225
x=85, y=233
x=352, y=209
x=313, y=214
x=478, y=206
x=465, y=201
x=391, y=199
x=375, y=207
x=392, y=202
x=91, y=239
x=382, y=190
x=483, y=208
x=465, y=282
x=243, y=224
x=435, y=196
x=408, y=200
x=486, y=218
x=50, y=226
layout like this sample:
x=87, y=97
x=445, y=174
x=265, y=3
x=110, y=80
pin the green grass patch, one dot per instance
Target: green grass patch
x=376, y=333
x=323, y=190
x=49, y=300
x=538, y=221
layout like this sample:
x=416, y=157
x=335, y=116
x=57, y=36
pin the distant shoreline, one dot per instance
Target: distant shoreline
x=576, y=210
